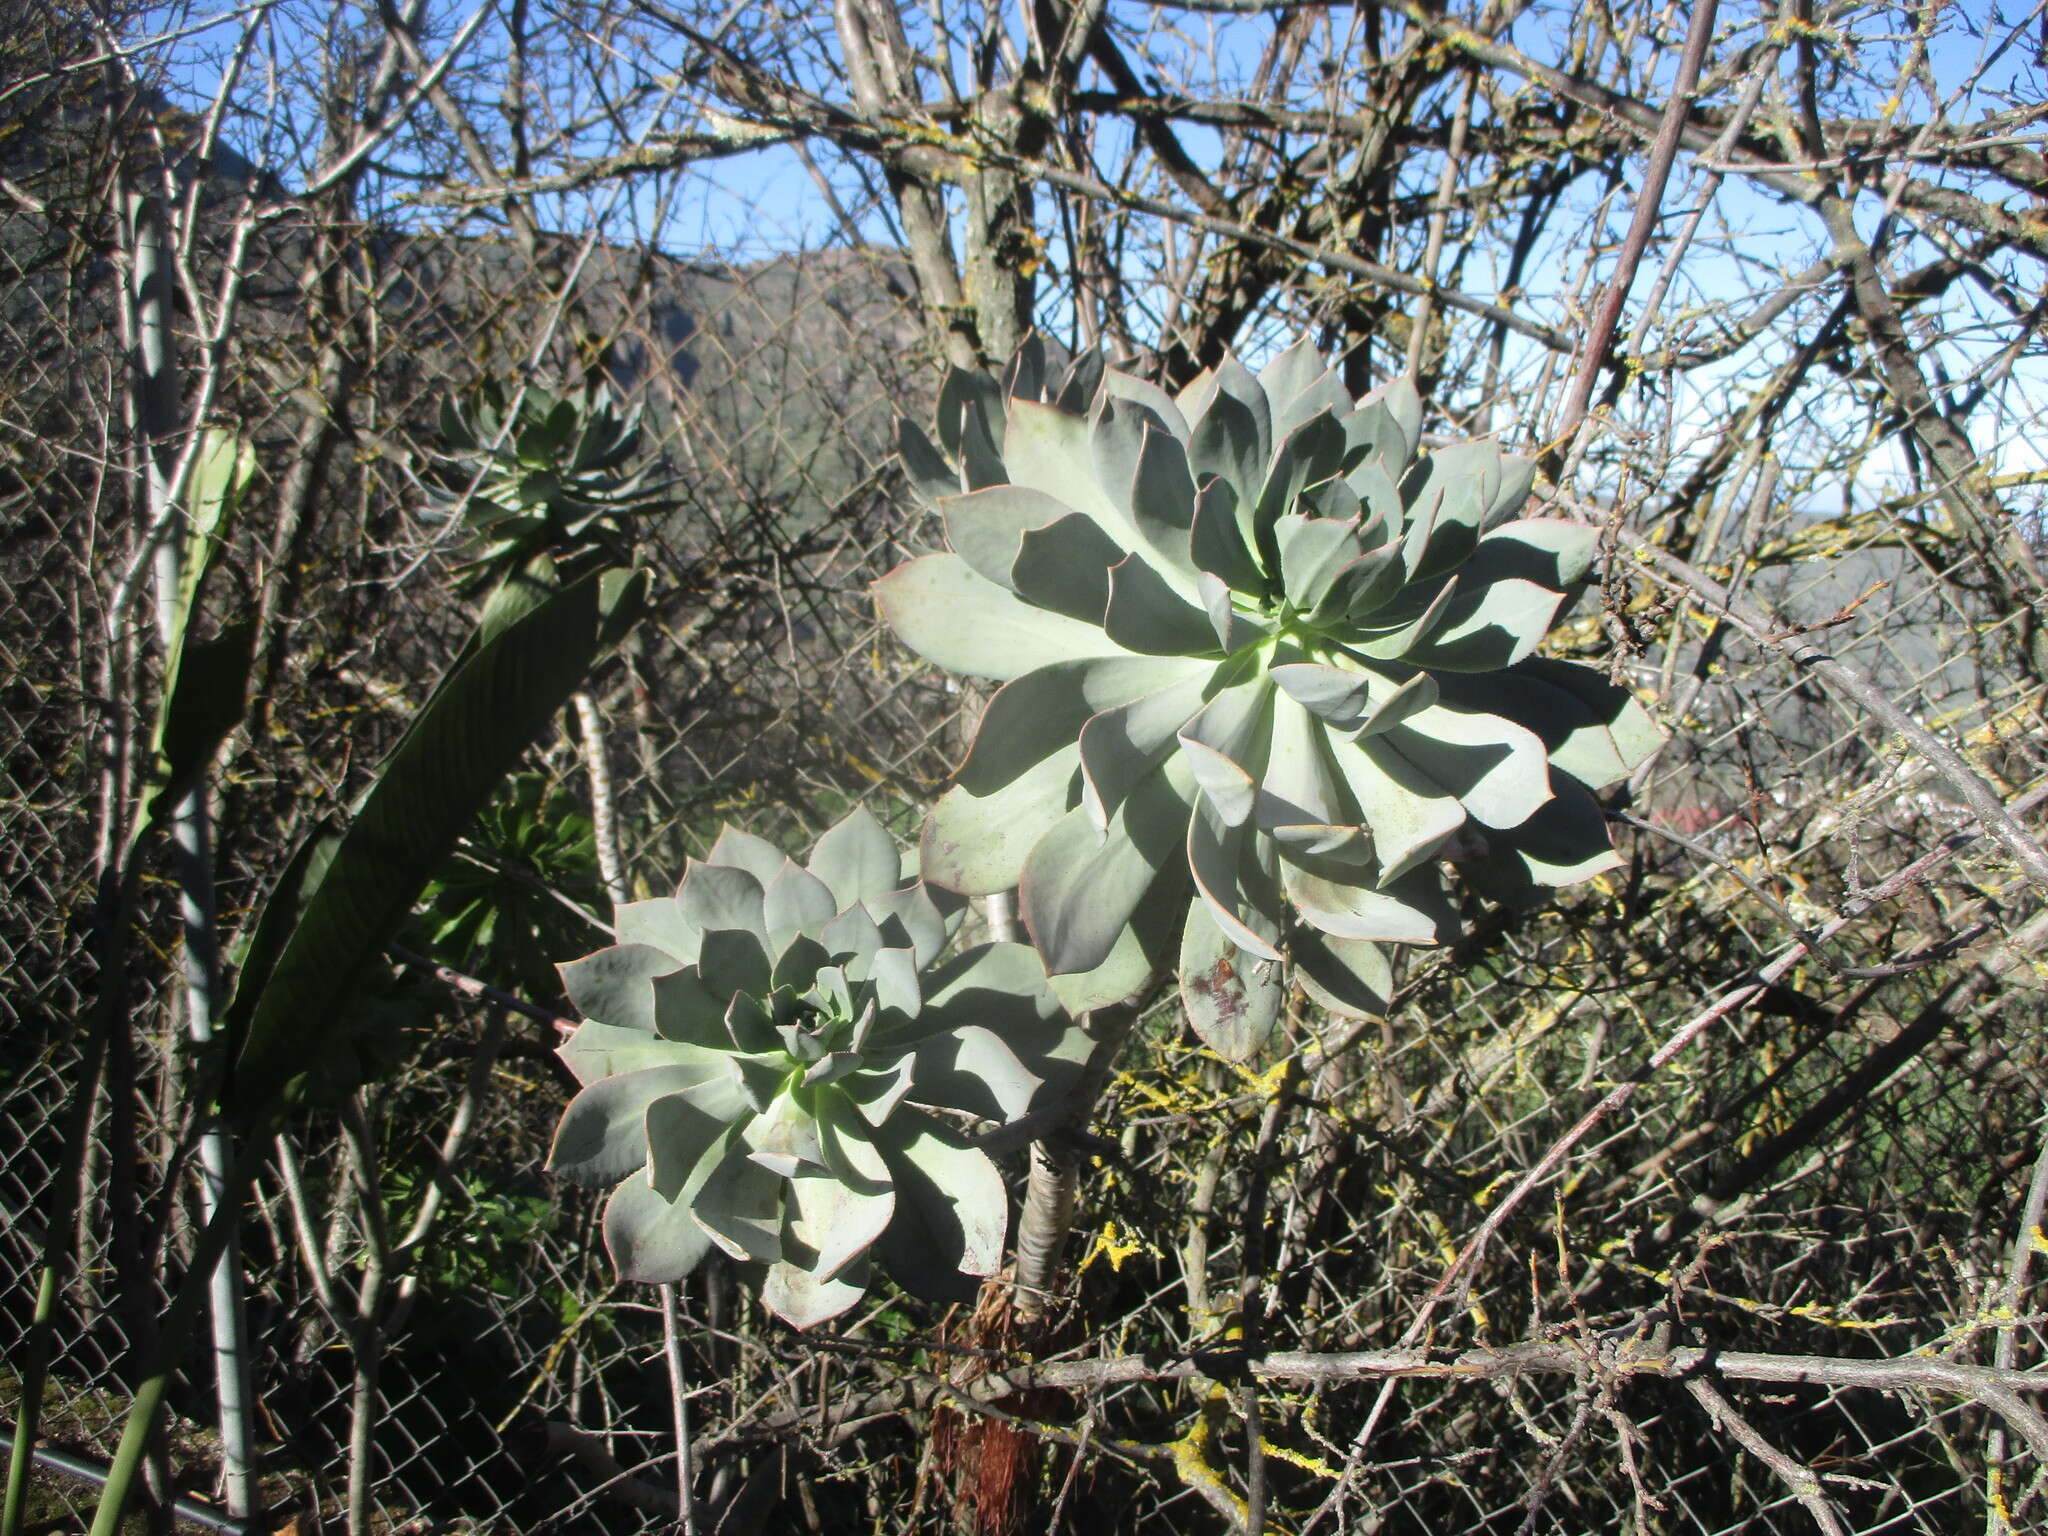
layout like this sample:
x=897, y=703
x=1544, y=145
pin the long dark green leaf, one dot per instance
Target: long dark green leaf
x=292, y=1027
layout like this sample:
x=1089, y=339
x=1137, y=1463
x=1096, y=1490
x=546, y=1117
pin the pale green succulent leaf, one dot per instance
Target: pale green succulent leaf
x=1147, y=615
x=742, y=850
x=1338, y=695
x=1078, y=385
x=967, y=393
x=1386, y=427
x=1217, y=545
x=1232, y=999
x=1349, y=977
x=1079, y=888
x=1448, y=495
x=1120, y=747
x=1312, y=453
x=850, y=932
x=1050, y=450
x=1379, y=492
x=977, y=844
x=964, y=622
x=830, y=1224
x=796, y=901
x=1229, y=441
x=1124, y=386
x=892, y=977
x=1024, y=375
x=1493, y=766
x=851, y=1151
x=603, y=1134
x=875, y=1093
x=1409, y=815
x=599, y=1050
x=1401, y=628
x=617, y=984
x=1299, y=792
x=1064, y=568
x=1564, y=843
x=1297, y=385
x=832, y=1067
x=1405, y=911
x=686, y=1010
x=973, y=1070
x=981, y=460
x=857, y=859
x=1233, y=629
x=734, y=960
x=1221, y=855
x=719, y=896
x=952, y=1212
x=653, y=1240
x=1224, y=747
x=750, y=1024
x=1116, y=439
x=802, y=1300
x=925, y=467
x=1548, y=552
x=912, y=917
x=985, y=527
x=784, y=1138
x=1517, y=479
x=802, y=957
x=1041, y=712
x=1162, y=491
x=1488, y=628
x=658, y=924
x=1361, y=590
x=1399, y=705
x=1597, y=731
x=1314, y=552
x=761, y=1076
x=1144, y=950
x=1002, y=985
x=686, y=1133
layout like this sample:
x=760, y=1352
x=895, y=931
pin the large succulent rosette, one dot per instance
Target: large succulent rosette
x=777, y=1061
x=1265, y=662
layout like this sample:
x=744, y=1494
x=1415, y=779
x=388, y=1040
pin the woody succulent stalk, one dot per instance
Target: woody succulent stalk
x=1267, y=668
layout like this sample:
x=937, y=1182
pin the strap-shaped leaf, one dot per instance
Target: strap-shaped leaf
x=466, y=737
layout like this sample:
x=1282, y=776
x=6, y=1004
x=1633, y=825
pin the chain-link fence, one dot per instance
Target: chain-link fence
x=1705, y=1198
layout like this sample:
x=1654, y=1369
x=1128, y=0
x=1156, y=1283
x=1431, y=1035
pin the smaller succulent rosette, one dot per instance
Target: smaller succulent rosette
x=777, y=1061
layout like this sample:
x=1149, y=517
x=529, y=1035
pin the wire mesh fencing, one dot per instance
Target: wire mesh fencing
x=1704, y=1198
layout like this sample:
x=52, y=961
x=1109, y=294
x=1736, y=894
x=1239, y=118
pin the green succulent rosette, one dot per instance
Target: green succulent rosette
x=1266, y=663
x=776, y=1060
x=547, y=473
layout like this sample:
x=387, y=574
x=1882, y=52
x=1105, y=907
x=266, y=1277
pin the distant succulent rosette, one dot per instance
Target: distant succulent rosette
x=779, y=1061
x=1267, y=665
x=535, y=471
